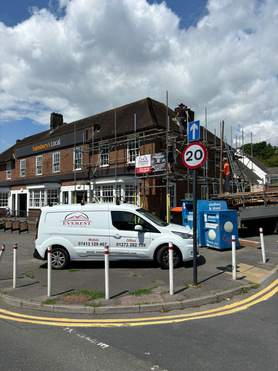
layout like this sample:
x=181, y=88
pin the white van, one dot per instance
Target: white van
x=80, y=232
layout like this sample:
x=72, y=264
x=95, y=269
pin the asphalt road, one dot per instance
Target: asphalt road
x=246, y=340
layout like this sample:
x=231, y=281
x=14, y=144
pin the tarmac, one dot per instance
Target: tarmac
x=134, y=286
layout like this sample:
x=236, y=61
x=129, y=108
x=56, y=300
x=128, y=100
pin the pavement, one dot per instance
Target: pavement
x=134, y=287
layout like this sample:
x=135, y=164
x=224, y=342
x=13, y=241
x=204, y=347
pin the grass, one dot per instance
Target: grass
x=50, y=301
x=73, y=270
x=31, y=276
x=91, y=295
x=198, y=286
x=142, y=291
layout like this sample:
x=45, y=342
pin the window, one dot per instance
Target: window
x=130, y=191
x=56, y=162
x=103, y=155
x=65, y=197
x=9, y=170
x=172, y=190
x=133, y=150
x=4, y=199
x=107, y=193
x=52, y=196
x=97, y=193
x=118, y=192
x=77, y=159
x=22, y=168
x=126, y=221
x=39, y=165
x=37, y=198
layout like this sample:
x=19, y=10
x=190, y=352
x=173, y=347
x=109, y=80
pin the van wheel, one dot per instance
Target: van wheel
x=60, y=258
x=163, y=257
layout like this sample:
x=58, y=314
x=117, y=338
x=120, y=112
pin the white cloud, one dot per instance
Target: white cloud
x=102, y=54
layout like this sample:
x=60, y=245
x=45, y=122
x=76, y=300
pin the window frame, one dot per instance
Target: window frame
x=103, y=154
x=38, y=165
x=77, y=161
x=133, y=150
x=55, y=162
x=9, y=170
x=22, y=168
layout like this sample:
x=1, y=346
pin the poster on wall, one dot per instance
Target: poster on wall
x=143, y=164
x=150, y=163
x=158, y=162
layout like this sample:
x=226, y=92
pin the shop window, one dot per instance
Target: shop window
x=22, y=168
x=9, y=170
x=173, y=196
x=4, y=199
x=133, y=150
x=77, y=159
x=97, y=193
x=65, y=197
x=130, y=194
x=107, y=193
x=37, y=198
x=52, y=196
x=39, y=165
x=56, y=162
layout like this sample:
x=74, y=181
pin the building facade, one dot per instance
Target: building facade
x=93, y=160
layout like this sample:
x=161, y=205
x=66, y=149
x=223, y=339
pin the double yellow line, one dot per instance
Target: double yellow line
x=262, y=295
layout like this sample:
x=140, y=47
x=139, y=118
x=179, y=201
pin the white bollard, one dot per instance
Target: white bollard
x=49, y=271
x=2, y=251
x=106, y=264
x=234, y=257
x=262, y=245
x=15, y=266
x=171, y=269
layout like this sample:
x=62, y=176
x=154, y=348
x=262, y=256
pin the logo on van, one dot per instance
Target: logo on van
x=76, y=220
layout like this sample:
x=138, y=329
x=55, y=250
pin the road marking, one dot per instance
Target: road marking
x=262, y=295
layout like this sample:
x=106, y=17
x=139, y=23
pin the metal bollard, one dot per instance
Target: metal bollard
x=262, y=245
x=234, y=256
x=106, y=263
x=2, y=251
x=15, y=266
x=49, y=271
x=171, y=269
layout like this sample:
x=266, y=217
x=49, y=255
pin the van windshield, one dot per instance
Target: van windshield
x=152, y=217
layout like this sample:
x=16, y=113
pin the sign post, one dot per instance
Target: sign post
x=193, y=156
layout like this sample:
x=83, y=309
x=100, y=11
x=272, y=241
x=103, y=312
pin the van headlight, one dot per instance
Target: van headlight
x=183, y=235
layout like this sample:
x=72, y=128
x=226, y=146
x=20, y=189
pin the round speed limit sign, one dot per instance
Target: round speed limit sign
x=194, y=155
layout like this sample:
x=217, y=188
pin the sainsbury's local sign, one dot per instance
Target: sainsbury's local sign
x=51, y=144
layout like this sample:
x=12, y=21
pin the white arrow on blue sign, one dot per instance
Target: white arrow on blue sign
x=193, y=130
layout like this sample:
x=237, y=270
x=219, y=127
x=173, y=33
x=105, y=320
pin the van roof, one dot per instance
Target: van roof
x=90, y=206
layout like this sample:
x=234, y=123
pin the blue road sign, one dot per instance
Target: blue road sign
x=193, y=130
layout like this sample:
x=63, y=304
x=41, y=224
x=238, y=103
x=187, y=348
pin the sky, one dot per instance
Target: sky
x=83, y=57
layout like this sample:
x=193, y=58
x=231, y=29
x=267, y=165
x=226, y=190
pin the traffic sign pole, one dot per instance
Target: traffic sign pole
x=194, y=155
x=195, y=227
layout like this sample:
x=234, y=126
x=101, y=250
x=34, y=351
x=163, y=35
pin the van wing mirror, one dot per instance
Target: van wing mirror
x=138, y=228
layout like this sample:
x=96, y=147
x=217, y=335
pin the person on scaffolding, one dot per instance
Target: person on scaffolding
x=226, y=171
x=171, y=160
x=182, y=118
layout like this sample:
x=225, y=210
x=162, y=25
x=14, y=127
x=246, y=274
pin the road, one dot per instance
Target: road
x=244, y=340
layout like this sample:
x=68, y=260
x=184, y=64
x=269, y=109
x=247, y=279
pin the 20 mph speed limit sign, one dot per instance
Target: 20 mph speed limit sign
x=194, y=155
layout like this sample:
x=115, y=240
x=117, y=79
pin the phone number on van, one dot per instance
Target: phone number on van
x=131, y=244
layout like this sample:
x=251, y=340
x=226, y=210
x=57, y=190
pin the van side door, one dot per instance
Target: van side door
x=125, y=241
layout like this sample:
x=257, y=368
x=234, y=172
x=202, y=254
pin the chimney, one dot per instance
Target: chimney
x=56, y=120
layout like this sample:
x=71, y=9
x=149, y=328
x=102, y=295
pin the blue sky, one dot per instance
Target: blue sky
x=82, y=57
